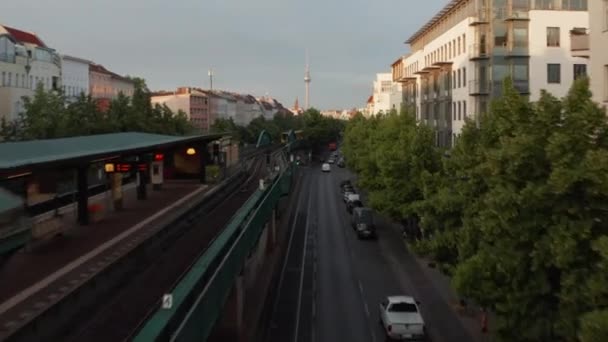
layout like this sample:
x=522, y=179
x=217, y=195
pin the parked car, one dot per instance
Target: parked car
x=331, y=160
x=351, y=196
x=362, y=222
x=353, y=204
x=345, y=183
x=341, y=163
x=401, y=318
x=325, y=167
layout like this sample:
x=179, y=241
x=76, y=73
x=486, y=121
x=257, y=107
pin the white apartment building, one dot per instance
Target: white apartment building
x=459, y=59
x=25, y=62
x=598, y=38
x=387, y=95
x=74, y=77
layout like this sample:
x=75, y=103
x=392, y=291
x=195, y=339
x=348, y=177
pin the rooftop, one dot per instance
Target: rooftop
x=401, y=299
x=434, y=20
x=24, y=154
x=9, y=201
x=25, y=37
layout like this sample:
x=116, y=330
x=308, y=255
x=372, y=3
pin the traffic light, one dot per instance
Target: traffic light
x=159, y=157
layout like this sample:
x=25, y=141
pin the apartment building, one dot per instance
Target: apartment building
x=105, y=85
x=193, y=102
x=459, y=59
x=25, y=62
x=598, y=38
x=387, y=95
x=74, y=77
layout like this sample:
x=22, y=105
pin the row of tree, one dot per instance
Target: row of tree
x=48, y=115
x=318, y=129
x=516, y=212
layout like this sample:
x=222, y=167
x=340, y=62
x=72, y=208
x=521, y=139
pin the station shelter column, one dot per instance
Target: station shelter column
x=83, y=194
x=142, y=179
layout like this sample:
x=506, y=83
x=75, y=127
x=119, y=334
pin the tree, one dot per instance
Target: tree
x=518, y=221
x=48, y=115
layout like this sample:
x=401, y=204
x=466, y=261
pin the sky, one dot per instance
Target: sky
x=253, y=46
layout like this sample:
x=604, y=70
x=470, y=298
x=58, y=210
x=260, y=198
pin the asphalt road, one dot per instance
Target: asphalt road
x=332, y=283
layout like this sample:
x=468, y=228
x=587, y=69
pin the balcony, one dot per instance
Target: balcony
x=579, y=44
x=518, y=13
x=522, y=86
x=479, y=87
x=481, y=17
x=8, y=58
x=478, y=51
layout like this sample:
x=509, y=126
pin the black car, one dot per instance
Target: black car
x=341, y=163
x=348, y=188
x=344, y=183
x=362, y=222
x=352, y=205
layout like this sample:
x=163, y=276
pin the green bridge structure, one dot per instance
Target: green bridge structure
x=203, y=294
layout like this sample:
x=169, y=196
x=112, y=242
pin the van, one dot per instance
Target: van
x=362, y=222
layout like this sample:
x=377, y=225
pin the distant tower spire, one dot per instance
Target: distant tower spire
x=296, y=106
x=307, y=80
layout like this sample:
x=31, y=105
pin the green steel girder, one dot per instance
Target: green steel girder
x=15, y=240
x=264, y=139
x=198, y=299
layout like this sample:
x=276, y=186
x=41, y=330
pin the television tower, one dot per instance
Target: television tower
x=307, y=83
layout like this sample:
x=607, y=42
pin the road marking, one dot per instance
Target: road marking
x=282, y=277
x=295, y=336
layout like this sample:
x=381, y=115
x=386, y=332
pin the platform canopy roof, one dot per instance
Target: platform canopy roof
x=9, y=201
x=28, y=155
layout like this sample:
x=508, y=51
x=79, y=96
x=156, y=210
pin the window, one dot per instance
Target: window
x=403, y=307
x=458, y=78
x=553, y=36
x=459, y=110
x=4, y=78
x=580, y=70
x=500, y=35
x=459, y=45
x=464, y=43
x=464, y=76
x=464, y=109
x=454, y=110
x=454, y=79
x=10, y=77
x=554, y=73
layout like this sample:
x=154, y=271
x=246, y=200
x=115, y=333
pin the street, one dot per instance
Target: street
x=332, y=283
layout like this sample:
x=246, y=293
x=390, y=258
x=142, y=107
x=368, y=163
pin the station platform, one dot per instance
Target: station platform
x=45, y=258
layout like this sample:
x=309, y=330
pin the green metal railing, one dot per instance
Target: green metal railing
x=198, y=299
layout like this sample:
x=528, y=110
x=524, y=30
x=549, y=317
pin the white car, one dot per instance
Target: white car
x=325, y=167
x=401, y=318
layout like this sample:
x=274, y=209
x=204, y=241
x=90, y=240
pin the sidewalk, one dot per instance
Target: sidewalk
x=28, y=267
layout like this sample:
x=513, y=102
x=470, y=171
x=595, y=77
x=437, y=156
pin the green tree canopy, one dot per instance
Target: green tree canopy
x=516, y=211
x=49, y=115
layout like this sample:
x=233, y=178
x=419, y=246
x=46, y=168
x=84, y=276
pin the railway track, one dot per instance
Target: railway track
x=123, y=298
x=125, y=311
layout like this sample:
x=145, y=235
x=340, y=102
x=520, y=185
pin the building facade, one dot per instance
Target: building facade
x=193, y=102
x=461, y=57
x=387, y=95
x=25, y=62
x=598, y=18
x=74, y=77
x=104, y=85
